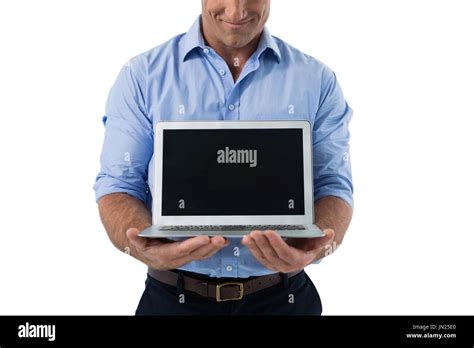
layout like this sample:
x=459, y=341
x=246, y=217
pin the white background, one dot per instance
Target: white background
x=406, y=68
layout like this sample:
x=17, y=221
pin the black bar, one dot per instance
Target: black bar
x=326, y=330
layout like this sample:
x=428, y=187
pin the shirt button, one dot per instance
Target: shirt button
x=222, y=72
x=206, y=50
x=228, y=268
x=231, y=107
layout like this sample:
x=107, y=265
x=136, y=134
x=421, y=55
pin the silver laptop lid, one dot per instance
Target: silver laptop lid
x=233, y=173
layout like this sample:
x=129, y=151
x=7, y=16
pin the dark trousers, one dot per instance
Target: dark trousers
x=296, y=296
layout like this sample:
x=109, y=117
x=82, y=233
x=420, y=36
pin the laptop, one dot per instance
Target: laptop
x=229, y=178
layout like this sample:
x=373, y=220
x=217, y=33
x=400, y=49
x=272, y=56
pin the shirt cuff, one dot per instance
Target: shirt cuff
x=344, y=195
x=105, y=185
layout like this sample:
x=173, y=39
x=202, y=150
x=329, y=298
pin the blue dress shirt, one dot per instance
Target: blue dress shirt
x=183, y=79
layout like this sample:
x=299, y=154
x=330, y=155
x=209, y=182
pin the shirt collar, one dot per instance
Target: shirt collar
x=267, y=42
x=194, y=39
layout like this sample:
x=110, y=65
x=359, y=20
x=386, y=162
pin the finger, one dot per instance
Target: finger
x=282, y=249
x=197, y=254
x=250, y=243
x=200, y=253
x=183, y=248
x=204, y=255
x=187, y=246
x=268, y=251
x=312, y=245
x=220, y=241
x=327, y=240
x=329, y=236
x=138, y=242
x=210, y=254
x=256, y=252
x=209, y=249
x=132, y=235
x=322, y=242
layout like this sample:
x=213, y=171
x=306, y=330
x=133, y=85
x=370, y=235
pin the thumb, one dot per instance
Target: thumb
x=132, y=235
x=329, y=235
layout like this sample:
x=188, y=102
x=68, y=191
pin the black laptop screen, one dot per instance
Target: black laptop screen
x=233, y=172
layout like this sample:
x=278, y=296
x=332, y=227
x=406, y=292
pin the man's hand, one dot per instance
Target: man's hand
x=164, y=254
x=280, y=256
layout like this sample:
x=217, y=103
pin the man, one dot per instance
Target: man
x=227, y=67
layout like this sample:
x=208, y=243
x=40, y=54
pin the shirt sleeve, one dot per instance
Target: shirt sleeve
x=332, y=173
x=128, y=141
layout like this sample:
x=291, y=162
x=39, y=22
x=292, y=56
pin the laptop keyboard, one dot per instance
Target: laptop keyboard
x=231, y=227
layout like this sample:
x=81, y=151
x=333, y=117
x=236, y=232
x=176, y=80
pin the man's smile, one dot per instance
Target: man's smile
x=235, y=25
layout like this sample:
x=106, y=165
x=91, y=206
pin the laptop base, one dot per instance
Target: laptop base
x=154, y=231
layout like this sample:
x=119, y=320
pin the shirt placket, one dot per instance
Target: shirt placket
x=231, y=108
x=229, y=256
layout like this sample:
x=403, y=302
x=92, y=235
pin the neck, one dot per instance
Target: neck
x=234, y=57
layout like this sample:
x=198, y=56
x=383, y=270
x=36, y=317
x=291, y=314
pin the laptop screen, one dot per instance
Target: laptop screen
x=232, y=172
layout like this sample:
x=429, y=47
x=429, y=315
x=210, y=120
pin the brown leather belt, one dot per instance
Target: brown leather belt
x=225, y=291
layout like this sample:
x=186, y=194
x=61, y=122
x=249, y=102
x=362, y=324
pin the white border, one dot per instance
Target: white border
x=306, y=219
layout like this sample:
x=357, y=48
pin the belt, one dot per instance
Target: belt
x=225, y=291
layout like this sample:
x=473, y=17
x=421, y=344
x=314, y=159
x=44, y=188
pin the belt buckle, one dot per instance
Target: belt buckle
x=220, y=286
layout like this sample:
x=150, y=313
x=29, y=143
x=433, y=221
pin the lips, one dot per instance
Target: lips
x=236, y=25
